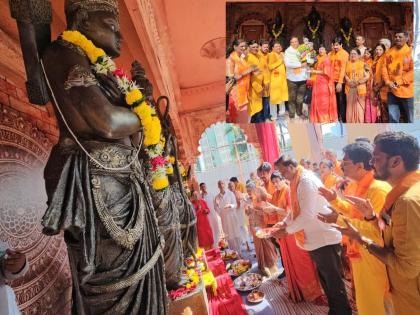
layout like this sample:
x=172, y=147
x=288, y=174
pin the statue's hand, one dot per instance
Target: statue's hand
x=109, y=85
x=139, y=76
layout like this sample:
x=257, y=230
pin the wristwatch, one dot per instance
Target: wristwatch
x=366, y=243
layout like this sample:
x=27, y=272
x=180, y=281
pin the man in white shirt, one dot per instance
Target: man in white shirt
x=13, y=265
x=225, y=205
x=213, y=216
x=360, y=43
x=296, y=77
x=322, y=241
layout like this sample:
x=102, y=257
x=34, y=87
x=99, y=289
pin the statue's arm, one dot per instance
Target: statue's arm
x=80, y=98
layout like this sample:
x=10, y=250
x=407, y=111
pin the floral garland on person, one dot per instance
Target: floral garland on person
x=134, y=98
x=314, y=30
x=347, y=37
x=277, y=34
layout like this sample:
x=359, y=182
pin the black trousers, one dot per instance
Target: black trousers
x=328, y=264
x=341, y=104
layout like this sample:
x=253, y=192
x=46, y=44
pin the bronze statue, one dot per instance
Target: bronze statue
x=346, y=34
x=277, y=30
x=96, y=185
x=314, y=28
x=167, y=212
x=186, y=211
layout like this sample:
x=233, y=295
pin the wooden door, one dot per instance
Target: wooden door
x=373, y=32
x=252, y=32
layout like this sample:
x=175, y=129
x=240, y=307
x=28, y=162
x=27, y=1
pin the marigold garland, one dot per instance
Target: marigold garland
x=101, y=63
x=314, y=30
x=346, y=37
x=277, y=34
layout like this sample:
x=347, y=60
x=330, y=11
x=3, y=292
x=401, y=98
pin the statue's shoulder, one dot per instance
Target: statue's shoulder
x=64, y=53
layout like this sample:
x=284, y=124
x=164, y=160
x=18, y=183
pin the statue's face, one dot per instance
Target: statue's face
x=103, y=30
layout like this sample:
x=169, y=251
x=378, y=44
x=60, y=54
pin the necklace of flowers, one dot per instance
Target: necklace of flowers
x=134, y=98
x=346, y=37
x=314, y=30
x=273, y=30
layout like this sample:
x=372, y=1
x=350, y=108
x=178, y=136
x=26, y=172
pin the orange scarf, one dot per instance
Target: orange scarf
x=399, y=189
x=279, y=200
x=329, y=181
x=300, y=235
x=361, y=190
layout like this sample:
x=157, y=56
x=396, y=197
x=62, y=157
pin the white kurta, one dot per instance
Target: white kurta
x=214, y=218
x=225, y=204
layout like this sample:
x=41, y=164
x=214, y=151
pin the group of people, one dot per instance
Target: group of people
x=360, y=214
x=364, y=85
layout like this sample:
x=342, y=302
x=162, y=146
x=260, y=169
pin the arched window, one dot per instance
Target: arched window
x=225, y=153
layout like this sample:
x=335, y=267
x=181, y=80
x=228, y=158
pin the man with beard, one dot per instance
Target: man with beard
x=369, y=273
x=395, y=159
x=398, y=74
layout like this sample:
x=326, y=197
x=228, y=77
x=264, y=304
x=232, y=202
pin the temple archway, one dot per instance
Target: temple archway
x=225, y=151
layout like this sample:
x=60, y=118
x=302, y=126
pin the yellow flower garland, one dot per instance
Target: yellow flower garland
x=277, y=34
x=346, y=37
x=313, y=31
x=133, y=97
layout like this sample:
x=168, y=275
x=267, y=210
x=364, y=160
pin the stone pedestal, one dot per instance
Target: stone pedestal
x=196, y=301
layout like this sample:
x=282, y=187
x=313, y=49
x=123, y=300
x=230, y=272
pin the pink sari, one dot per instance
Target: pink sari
x=324, y=104
x=371, y=103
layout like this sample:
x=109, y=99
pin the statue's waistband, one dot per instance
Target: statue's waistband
x=102, y=154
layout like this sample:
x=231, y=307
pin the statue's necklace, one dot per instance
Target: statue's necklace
x=346, y=37
x=314, y=30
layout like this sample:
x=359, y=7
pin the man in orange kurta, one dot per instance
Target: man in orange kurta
x=339, y=58
x=396, y=157
x=398, y=74
x=369, y=273
x=263, y=56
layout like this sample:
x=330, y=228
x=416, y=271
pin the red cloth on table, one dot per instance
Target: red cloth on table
x=227, y=301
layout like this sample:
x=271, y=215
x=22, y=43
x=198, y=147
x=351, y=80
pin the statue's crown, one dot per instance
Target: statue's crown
x=72, y=6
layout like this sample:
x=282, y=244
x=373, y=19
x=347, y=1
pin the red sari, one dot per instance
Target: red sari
x=205, y=234
x=301, y=276
x=324, y=103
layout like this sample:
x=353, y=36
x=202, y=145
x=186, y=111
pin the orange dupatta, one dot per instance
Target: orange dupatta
x=300, y=235
x=243, y=84
x=279, y=199
x=361, y=190
x=329, y=181
x=400, y=188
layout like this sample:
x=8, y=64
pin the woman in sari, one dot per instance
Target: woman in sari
x=379, y=88
x=324, y=103
x=301, y=276
x=204, y=231
x=278, y=83
x=371, y=111
x=238, y=68
x=328, y=178
x=356, y=77
x=264, y=248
